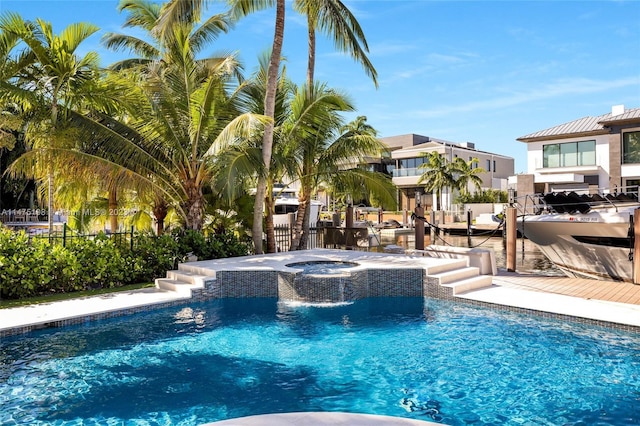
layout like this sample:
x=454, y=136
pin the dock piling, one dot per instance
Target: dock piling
x=511, y=238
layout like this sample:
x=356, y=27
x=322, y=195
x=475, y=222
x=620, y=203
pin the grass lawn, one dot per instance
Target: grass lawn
x=66, y=296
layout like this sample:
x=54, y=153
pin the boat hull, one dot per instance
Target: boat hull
x=593, y=245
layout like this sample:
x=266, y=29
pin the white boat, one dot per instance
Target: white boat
x=286, y=205
x=585, y=235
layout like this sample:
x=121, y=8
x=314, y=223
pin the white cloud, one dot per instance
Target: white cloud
x=565, y=87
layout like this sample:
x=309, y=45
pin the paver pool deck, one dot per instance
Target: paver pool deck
x=606, y=301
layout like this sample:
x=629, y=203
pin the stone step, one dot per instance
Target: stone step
x=180, y=287
x=193, y=268
x=468, y=284
x=454, y=275
x=188, y=277
x=448, y=265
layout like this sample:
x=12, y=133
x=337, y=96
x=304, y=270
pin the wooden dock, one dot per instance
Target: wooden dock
x=611, y=291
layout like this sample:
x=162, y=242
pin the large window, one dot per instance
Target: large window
x=409, y=166
x=631, y=147
x=569, y=154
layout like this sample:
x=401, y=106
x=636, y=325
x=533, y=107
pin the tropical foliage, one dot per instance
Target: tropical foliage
x=46, y=81
x=485, y=196
x=34, y=266
x=153, y=134
x=325, y=149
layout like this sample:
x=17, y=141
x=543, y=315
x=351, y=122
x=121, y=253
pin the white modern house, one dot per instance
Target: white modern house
x=410, y=150
x=587, y=154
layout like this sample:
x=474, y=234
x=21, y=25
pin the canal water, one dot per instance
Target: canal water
x=528, y=257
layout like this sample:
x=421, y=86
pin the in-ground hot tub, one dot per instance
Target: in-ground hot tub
x=324, y=281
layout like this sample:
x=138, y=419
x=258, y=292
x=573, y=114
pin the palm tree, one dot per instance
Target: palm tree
x=184, y=113
x=156, y=21
x=53, y=80
x=171, y=143
x=334, y=18
x=246, y=159
x=465, y=173
x=325, y=149
x=243, y=8
x=437, y=174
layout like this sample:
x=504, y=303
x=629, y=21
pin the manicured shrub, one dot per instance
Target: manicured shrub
x=152, y=257
x=39, y=267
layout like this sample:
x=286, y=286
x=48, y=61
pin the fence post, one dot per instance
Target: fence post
x=64, y=234
x=419, y=228
x=131, y=240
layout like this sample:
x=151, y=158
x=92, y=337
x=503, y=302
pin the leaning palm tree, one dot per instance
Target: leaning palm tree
x=465, y=174
x=53, y=80
x=243, y=8
x=437, y=175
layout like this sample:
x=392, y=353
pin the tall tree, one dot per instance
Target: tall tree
x=191, y=113
x=190, y=110
x=243, y=8
x=246, y=159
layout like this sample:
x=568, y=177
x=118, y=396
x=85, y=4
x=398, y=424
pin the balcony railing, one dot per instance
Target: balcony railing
x=405, y=172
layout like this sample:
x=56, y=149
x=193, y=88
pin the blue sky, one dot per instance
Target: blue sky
x=486, y=72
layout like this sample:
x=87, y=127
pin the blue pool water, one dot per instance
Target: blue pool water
x=423, y=359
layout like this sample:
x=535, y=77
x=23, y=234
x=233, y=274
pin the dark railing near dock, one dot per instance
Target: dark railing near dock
x=283, y=236
x=325, y=237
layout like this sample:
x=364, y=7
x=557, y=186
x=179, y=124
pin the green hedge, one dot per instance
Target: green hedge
x=37, y=267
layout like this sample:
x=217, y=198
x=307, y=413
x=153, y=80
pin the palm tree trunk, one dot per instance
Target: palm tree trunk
x=298, y=231
x=269, y=227
x=50, y=196
x=160, y=210
x=311, y=54
x=304, y=237
x=194, y=206
x=54, y=122
x=269, y=111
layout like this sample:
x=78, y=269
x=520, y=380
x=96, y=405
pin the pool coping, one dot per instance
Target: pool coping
x=321, y=418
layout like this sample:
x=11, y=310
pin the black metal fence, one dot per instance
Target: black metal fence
x=67, y=235
x=327, y=237
x=283, y=235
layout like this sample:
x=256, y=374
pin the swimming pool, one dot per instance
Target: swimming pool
x=411, y=357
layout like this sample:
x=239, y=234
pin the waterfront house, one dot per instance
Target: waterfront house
x=410, y=150
x=585, y=155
